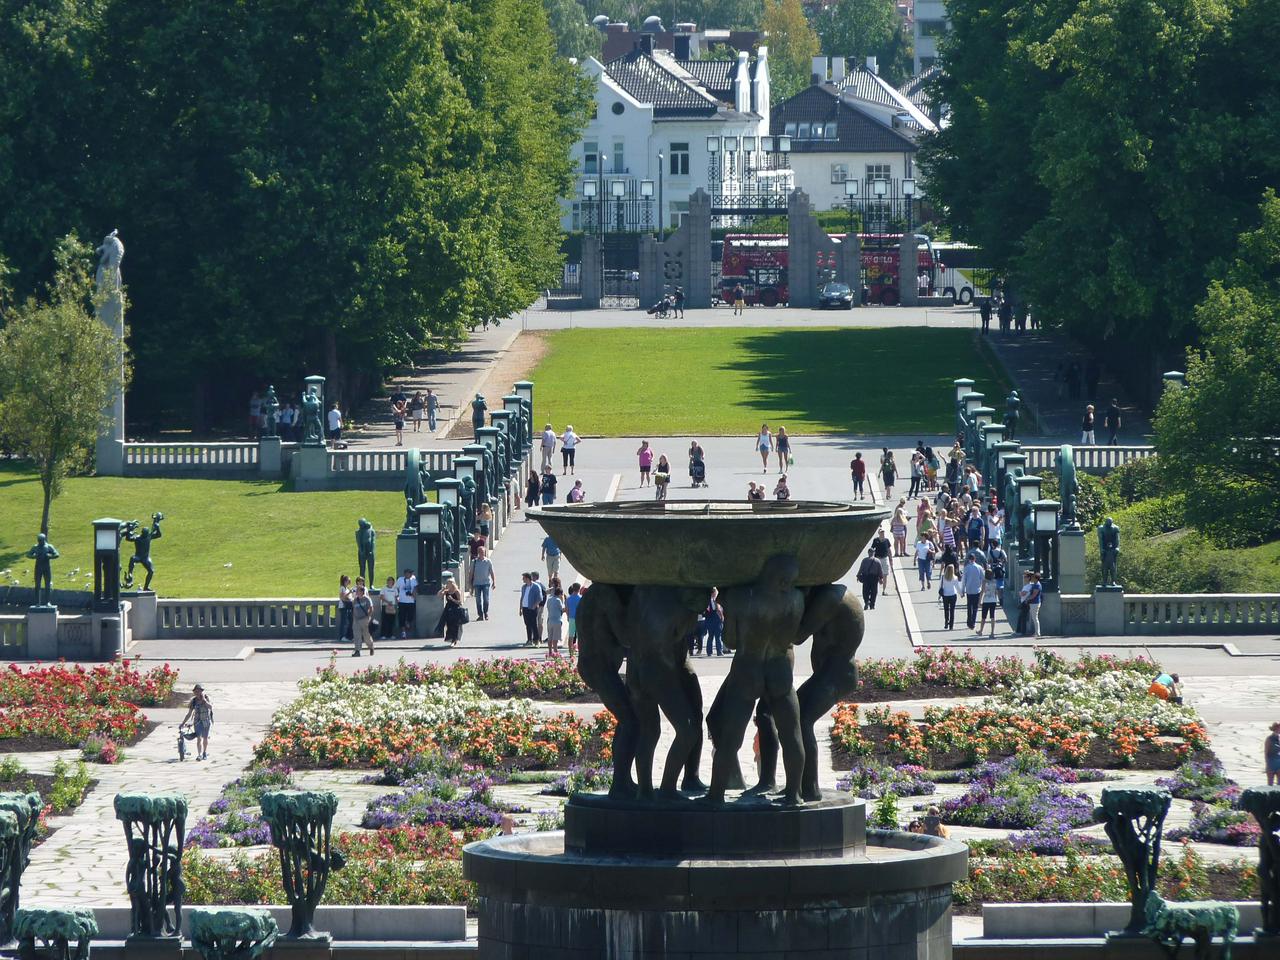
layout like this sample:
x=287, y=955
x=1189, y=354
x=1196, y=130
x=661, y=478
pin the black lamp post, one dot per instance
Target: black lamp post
x=851, y=198
x=908, y=194
x=662, y=217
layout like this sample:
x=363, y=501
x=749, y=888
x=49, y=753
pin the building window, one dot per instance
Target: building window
x=679, y=166
x=831, y=131
x=789, y=130
x=679, y=212
x=617, y=108
x=876, y=171
x=839, y=172
x=590, y=158
x=619, y=158
x=802, y=131
x=577, y=217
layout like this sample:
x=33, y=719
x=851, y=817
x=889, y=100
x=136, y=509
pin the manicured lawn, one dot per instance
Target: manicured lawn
x=1265, y=563
x=220, y=538
x=723, y=381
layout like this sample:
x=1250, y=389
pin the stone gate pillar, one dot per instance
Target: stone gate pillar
x=650, y=272
x=908, y=271
x=698, y=289
x=851, y=265
x=590, y=275
x=802, y=265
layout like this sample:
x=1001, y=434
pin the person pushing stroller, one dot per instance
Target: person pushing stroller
x=697, y=465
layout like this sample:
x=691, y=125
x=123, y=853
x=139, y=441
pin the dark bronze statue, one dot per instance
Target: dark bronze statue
x=1134, y=820
x=1068, y=486
x=1012, y=404
x=366, y=543
x=601, y=625
x=1109, y=551
x=270, y=413
x=312, y=419
x=43, y=553
x=141, y=537
x=1264, y=804
x=155, y=831
x=301, y=825
x=478, y=408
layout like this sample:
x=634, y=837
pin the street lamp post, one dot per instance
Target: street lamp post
x=646, y=194
x=662, y=217
x=851, y=197
x=880, y=188
x=909, y=194
x=591, y=195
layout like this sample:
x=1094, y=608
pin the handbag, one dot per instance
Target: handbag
x=791, y=460
x=464, y=616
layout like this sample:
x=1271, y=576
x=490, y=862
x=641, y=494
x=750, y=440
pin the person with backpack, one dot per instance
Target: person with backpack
x=869, y=577
x=998, y=560
x=201, y=711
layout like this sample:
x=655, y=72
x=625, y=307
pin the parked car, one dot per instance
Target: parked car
x=835, y=296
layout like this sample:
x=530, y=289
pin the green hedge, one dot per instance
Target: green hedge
x=1183, y=562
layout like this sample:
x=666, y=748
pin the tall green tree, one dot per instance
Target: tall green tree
x=792, y=47
x=1100, y=152
x=1219, y=436
x=857, y=28
x=59, y=368
x=575, y=36
x=303, y=184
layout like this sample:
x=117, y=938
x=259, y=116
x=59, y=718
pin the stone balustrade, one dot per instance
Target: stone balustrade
x=1089, y=459
x=13, y=636
x=249, y=619
x=1228, y=613
x=193, y=459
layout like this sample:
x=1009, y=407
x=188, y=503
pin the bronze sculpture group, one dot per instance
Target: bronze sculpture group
x=141, y=536
x=646, y=626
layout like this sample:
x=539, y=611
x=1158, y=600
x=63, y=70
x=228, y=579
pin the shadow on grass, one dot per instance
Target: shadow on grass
x=878, y=381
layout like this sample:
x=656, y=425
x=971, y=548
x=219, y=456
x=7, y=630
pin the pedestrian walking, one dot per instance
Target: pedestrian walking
x=782, y=443
x=1005, y=313
x=555, y=622
x=998, y=560
x=984, y=310
x=1270, y=753
x=548, y=485
x=869, y=576
x=764, y=445
x=362, y=618
x=645, y=456
x=530, y=600
x=898, y=527
x=858, y=473
x=571, y=612
x=551, y=554
x=407, y=603
x=1111, y=421
x=1086, y=426
x=200, y=715
x=532, y=491
x=661, y=478
x=569, y=448
x=888, y=473
x=917, y=474
x=433, y=410
x=416, y=407
x=990, y=598
x=949, y=591
x=454, y=615
x=713, y=624
x=483, y=580
x=548, y=446
x=345, y=595
x=880, y=547
x=925, y=552
x=974, y=578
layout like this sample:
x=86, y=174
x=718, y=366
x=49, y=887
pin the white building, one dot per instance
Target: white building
x=665, y=127
x=852, y=127
x=928, y=25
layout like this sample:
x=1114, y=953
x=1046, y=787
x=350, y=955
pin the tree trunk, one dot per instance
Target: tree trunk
x=46, y=483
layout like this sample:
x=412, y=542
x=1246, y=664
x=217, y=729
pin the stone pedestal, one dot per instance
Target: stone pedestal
x=142, y=614
x=909, y=271
x=42, y=633
x=429, y=608
x=1108, y=611
x=309, y=948
x=109, y=457
x=270, y=458
x=589, y=278
x=1050, y=613
x=741, y=879
x=406, y=553
x=152, y=948
x=310, y=468
x=1071, y=560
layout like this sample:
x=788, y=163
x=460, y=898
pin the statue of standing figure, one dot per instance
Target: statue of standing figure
x=312, y=427
x=1068, y=485
x=366, y=542
x=110, y=254
x=1109, y=551
x=270, y=412
x=42, y=553
x=478, y=408
x=141, y=537
x=1012, y=403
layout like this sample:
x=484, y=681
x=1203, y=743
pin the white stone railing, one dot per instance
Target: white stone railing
x=1090, y=459
x=248, y=619
x=197, y=458
x=381, y=461
x=13, y=636
x=1202, y=613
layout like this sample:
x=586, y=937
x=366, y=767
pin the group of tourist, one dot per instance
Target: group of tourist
x=568, y=442
x=541, y=488
x=404, y=407
x=358, y=618
x=658, y=475
x=545, y=610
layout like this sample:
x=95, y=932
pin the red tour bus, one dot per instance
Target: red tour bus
x=758, y=261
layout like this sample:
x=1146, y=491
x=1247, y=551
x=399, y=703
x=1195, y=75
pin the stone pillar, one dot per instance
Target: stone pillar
x=1070, y=572
x=270, y=458
x=650, y=272
x=42, y=633
x=851, y=265
x=801, y=273
x=1050, y=613
x=142, y=616
x=406, y=552
x=697, y=288
x=1108, y=611
x=908, y=271
x=427, y=611
x=109, y=449
x=310, y=468
x=590, y=275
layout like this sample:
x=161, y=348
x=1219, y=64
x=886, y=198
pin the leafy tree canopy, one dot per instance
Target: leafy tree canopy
x=302, y=185
x=858, y=29
x=1219, y=436
x=792, y=47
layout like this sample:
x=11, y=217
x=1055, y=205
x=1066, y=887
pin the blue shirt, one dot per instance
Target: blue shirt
x=571, y=604
x=974, y=576
x=549, y=545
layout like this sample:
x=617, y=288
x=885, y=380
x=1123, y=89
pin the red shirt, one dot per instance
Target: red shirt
x=858, y=468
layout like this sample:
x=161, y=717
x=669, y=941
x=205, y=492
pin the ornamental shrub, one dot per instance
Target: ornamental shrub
x=1133, y=481
x=1182, y=562
x=1093, y=501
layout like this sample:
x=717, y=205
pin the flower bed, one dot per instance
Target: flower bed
x=871, y=780
x=51, y=707
x=337, y=721
x=236, y=819
x=1022, y=793
x=502, y=678
x=1218, y=823
x=1107, y=721
x=401, y=866
x=943, y=672
x=1201, y=780
x=428, y=799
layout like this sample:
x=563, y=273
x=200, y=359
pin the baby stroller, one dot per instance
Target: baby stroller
x=183, y=737
x=661, y=308
x=698, y=472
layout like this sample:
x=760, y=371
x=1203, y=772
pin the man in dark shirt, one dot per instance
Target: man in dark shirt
x=880, y=547
x=869, y=577
x=1111, y=420
x=985, y=311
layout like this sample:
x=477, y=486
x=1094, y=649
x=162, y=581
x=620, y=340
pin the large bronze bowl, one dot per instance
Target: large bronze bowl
x=708, y=543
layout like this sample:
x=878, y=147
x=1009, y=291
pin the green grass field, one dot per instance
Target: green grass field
x=221, y=538
x=724, y=381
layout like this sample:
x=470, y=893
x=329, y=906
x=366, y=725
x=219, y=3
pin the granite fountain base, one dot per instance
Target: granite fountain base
x=691, y=880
